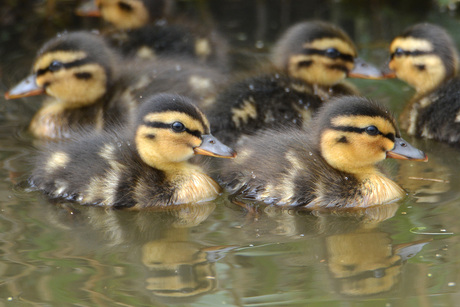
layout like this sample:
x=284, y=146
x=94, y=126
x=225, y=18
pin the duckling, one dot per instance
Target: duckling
x=91, y=86
x=310, y=62
x=330, y=165
x=145, y=28
x=425, y=57
x=139, y=166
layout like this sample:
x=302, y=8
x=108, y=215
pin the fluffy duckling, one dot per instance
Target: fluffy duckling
x=144, y=29
x=90, y=86
x=425, y=57
x=331, y=165
x=136, y=167
x=311, y=59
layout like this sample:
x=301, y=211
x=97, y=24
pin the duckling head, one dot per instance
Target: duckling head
x=124, y=14
x=170, y=129
x=75, y=68
x=356, y=133
x=319, y=53
x=424, y=56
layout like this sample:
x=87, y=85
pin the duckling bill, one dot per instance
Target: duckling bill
x=146, y=167
x=331, y=165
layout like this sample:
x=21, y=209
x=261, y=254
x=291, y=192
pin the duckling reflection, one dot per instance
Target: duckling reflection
x=177, y=269
x=364, y=262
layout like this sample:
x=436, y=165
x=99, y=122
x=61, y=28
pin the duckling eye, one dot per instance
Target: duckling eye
x=398, y=52
x=372, y=130
x=125, y=6
x=332, y=53
x=420, y=67
x=55, y=66
x=178, y=127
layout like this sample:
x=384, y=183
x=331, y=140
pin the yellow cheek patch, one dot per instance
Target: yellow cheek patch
x=68, y=87
x=406, y=69
x=137, y=17
x=325, y=43
x=62, y=56
x=173, y=116
x=318, y=72
x=411, y=44
x=361, y=121
x=166, y=146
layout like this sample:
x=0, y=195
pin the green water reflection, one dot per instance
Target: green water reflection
x=55, y=254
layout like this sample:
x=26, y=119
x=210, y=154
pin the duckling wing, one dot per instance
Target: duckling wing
x=269, y=101
x=440, y=120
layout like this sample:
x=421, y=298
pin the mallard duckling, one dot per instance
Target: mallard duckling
x=145, y=166
x=146, y=29
x=425, y=57
x=90, y=86
x=331, y=165
x=311, y=59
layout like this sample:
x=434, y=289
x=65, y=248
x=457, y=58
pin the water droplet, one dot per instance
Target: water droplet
x=251, y=87
x=346, y=178
x=451, y=284
x=443, y=230
x=287, y=89
x=277, y=76
x=251, y=245
x=310, y=153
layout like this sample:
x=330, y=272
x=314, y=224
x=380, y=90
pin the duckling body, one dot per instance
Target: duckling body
x=330, y=165
x=425, y=57
x=91, y=86
x=145, y=28
x=139, y=166
x=310, y=61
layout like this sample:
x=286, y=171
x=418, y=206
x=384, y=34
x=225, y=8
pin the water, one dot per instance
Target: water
x=62, y=254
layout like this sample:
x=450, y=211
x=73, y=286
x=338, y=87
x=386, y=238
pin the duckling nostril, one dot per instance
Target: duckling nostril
x=403, y=144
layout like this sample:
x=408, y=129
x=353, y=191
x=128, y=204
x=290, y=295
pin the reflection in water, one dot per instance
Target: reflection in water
x=361, y=258
x=366, y=262
x=176, y=268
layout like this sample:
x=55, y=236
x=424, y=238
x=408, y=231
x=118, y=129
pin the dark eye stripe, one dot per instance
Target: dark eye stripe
x=161, y=125
x=64, y=65
x=342, y=56
x=389, y=136
x=410, y=53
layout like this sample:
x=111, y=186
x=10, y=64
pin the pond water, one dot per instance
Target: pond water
x=217, y=254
